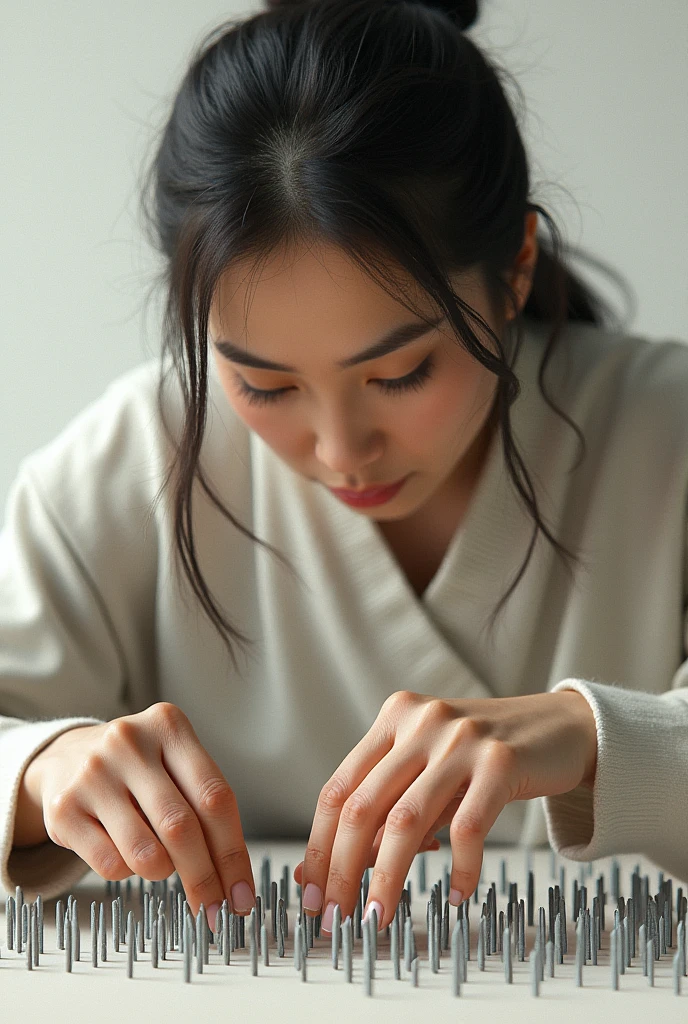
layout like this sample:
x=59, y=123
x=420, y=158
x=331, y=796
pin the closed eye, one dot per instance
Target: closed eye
x=413, y=381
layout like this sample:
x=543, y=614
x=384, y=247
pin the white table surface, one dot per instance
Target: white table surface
x=105, y=994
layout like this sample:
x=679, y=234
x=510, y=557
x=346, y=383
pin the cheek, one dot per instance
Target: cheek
x=446, y=413
x=272, y=426
x=448, y=423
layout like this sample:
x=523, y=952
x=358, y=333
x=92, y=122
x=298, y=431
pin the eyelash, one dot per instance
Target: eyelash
x=413, y=381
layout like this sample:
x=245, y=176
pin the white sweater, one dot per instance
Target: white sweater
x=93, y=625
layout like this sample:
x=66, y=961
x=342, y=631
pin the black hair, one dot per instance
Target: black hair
x=377, y=126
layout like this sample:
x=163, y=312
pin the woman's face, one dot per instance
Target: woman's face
x=409, y=413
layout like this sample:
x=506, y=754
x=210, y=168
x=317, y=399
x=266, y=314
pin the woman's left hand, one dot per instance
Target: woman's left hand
x=426, y=762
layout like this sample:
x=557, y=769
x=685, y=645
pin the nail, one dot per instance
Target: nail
x=326, y=923
x=455, y=897
x=242, y=897
x=312, y=897
x=379, y=910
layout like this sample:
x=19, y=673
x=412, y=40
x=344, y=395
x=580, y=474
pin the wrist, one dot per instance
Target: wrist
x=588, y=733
x=29, y=824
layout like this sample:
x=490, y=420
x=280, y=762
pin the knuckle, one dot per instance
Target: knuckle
x=399, y=699
x=431, y=716
x=466, y=827
x=404, y=817
x=62, y=806
x=463, y=880
x=200, y=888
x=333, y=794
x=384, y=879
x=121, y=732
x=229, y=860
x=166, y=711
x=108, y=863
x=178, y=824
x=343, y=884
x=314, y=857
x=464, y=732
x=145, y=850
x=215, y=795
x=169, y=716
x=168, y=722
x=469, y=729
x=94, y=764
x=500, y=757
x=357, y=809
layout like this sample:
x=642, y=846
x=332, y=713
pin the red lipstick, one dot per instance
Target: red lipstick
x=370, y=496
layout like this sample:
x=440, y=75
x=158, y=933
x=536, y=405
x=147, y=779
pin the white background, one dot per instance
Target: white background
x=84, y=87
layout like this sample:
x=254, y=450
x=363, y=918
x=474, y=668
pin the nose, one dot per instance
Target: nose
x=346, y=446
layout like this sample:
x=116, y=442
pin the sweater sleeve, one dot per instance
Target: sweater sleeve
x=637, y=804
x=60, y=667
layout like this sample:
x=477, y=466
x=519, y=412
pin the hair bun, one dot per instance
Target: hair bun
x=463, y=12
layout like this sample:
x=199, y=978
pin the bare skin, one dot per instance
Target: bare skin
x=139, y=795
x=426, y=763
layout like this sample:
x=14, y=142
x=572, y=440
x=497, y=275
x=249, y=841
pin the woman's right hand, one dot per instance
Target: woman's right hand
x=141, y=795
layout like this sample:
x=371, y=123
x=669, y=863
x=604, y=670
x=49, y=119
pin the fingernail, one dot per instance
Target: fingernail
x=379, y=910
x=211, y=914
x=312, y=897
x=455, y=897
x=326, y=923
x=242, y=897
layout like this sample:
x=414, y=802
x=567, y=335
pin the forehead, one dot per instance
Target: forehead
x=317, y=285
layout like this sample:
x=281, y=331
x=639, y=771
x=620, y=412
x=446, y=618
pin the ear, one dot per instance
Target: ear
x=521, y=277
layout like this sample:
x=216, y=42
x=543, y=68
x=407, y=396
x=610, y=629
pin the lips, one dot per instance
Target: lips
x=375, y=489
x=371, y=495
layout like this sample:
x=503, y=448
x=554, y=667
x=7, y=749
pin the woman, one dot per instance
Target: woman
x=408, y=474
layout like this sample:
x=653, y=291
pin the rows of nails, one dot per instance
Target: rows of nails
x=643, y=928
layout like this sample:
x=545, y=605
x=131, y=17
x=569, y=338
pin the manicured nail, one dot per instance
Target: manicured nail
x=326, y=923
x=379, y=909
x=242, y=897
x=455, y=897
x=312, y=897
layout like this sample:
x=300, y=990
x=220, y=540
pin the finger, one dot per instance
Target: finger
x=429, y=843
x=487, y=795
x=298, y=870
x=407, y=824
x=203, y=833
x=137, y=844
x=360, y=819
x=355, y=767
x=372, y=856
x=174, y=841
x=85, y=835
x=188, y=803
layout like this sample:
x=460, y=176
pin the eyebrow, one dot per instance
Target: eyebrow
x=399, y=336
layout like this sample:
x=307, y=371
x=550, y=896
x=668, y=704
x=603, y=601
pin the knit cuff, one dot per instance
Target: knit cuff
x=640, y=781
x=45, y=868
